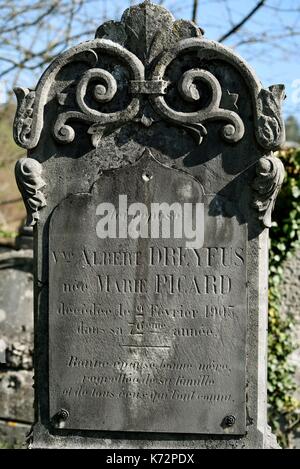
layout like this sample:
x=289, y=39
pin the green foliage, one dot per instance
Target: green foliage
x=7, y=234
x=284, y=240
x=4, y=445
x=11, y=445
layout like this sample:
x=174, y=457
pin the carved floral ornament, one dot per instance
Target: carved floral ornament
x=269, y=178
x=153, y=84
x=139, y=43
x=30, y=182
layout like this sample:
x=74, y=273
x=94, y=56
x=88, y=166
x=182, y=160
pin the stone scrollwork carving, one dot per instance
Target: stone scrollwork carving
x=269, y=178
x=269, y=125
x=29, y=119
x=233, y=130
x=270, y=128
x=23, y=119
x=103, y=93
x=147, y=48
x=30, y=182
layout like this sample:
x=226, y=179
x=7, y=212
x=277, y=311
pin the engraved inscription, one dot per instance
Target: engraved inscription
x=147, y=334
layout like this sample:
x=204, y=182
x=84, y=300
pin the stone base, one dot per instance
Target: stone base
x=271, y=440
x=42, y=439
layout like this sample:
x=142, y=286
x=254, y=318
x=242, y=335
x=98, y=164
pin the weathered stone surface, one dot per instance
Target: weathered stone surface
x=16, y=338
x=145, y=340
x=290, y=287
x=290, y=303
x=16, y=307
x=16, y=390
x=208, y=127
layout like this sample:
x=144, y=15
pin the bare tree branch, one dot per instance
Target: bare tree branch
x=33, y=32
x=242, y=22
x=31, y=23
x=195, y=11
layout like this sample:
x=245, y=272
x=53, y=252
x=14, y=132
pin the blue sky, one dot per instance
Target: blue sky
x=276, y=60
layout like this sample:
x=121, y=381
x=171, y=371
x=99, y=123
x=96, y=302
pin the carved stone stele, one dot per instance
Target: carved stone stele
x=153, y=110
x=150, y=82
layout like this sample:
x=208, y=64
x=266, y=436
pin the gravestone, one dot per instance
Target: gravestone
x=16, y=345
x=150, y=182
